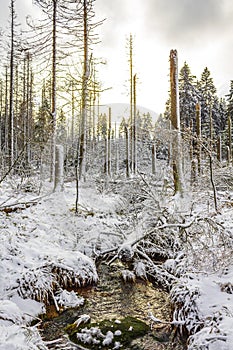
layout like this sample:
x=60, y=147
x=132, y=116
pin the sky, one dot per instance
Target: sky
x=200, y=30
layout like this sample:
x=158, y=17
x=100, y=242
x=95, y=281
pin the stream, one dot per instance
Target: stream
x=113, y=300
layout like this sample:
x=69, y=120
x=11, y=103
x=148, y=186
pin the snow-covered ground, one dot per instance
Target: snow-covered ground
x=47, y=237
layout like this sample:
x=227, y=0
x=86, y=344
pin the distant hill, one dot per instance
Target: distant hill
x=120, y=110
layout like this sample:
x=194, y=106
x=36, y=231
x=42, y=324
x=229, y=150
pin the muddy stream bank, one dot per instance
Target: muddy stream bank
x=119, y=311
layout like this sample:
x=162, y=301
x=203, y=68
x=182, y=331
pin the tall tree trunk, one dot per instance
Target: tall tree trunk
x=127, y=151
x=219, y=148
x=85, y=78
x=175, y=121
x=72, y=114
x=6, y=121
x=135, y=165
x=59, y=168
x=106, y=164
x=54, y=92
x=131, y=98
x=153, y=154
x=27, y=157
x=109, y=142
x=11, y=92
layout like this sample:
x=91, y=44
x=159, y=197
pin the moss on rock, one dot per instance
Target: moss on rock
x=107, y=334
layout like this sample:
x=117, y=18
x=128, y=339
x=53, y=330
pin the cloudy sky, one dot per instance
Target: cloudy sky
x=201, y=31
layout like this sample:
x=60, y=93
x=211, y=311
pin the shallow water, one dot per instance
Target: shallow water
x=111, y=299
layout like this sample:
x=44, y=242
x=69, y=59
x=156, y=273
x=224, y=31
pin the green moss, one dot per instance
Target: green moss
x=130, y=328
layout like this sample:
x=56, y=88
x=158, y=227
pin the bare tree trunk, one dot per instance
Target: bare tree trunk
x=93, y=111
x=212, y=182
x=85, y=78
x=54, y=92
x=134, y=126
x=131, y=98
x=219, y=149
x=127, y=151
x=59, y=169
x=106, y=156
x=109, y=143
x=153, y=153
x=117, y=158
x=6, y=121
x=175, y=121
x=72, y=113
x=11, y=93
x=28, y=116
x=211, y=161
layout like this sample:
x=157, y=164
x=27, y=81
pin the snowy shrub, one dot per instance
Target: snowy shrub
x=68, y=269
x=210, y=337
x=37, y=283
x=9, y=311
x=184, y=296
x=16, y=337
x=160, y=275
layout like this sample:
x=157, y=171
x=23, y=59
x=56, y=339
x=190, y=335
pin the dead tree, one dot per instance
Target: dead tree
x=109, y=153
x=175, y=122
x=11, y=87
x=134, y=130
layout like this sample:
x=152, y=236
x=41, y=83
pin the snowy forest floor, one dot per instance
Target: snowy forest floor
x=45, y=246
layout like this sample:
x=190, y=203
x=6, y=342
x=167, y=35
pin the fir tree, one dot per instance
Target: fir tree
x=147, y=126
x=188, y=95
x=207, y=95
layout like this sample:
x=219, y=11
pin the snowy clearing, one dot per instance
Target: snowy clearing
x=46, y=246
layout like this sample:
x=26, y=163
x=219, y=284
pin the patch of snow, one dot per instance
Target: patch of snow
x=68, y=299
x=117, y=332
x=108, y=338
x=82, y=319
